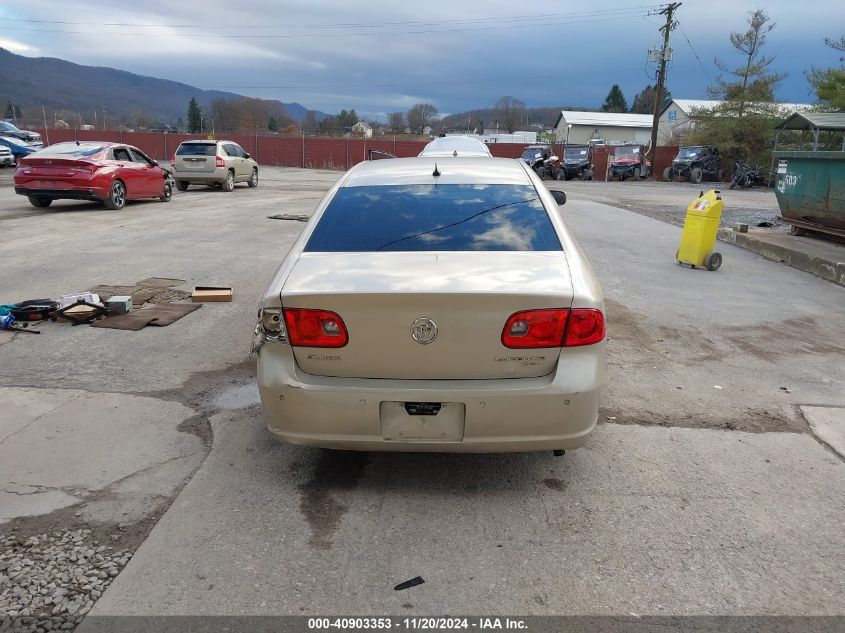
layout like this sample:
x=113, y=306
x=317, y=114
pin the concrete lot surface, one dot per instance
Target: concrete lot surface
x=703, y=491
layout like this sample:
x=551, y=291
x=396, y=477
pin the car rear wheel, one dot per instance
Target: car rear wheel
x=40, y=203
x=253, y=180
x=229, y=183
x=117, y=196
x=696, y=175
x=182, y=185
x=168, y=193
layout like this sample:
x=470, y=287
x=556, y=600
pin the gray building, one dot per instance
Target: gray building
x=612, y=127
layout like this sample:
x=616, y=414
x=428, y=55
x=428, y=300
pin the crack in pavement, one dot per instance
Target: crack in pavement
x=34, y=420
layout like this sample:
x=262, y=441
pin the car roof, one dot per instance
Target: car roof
x=455, y=170
x=456, y=146
x=205, y=141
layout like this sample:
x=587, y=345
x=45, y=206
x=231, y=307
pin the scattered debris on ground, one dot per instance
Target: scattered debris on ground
x=287, y=216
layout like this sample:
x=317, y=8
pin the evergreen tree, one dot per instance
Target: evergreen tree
x=644, y=100
x=751, y=82
x=615, y=100
x=194, y=117
x=829, y=84
x=272, y=124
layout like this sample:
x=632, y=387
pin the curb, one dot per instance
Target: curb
x=828, y=269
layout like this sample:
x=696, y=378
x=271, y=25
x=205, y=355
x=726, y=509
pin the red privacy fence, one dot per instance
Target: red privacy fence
x=317, y=152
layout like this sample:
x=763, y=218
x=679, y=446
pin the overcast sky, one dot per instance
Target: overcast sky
x=383, y=56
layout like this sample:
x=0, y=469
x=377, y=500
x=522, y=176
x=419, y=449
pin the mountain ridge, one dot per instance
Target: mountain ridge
x=77, y=88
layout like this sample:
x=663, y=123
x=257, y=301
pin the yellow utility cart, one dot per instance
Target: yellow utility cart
x=698, y=239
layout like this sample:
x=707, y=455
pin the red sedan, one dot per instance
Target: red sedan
x=110, y=173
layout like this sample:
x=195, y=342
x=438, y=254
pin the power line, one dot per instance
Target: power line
x=700, y=63
x=561, y=22
x=413, y=23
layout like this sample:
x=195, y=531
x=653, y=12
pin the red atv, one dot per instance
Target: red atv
x=629, y=161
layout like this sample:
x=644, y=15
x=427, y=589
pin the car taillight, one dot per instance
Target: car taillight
x=173, y=162
x=586, y=327
x=554, y=328
x=219, y=162
x=535, y=328
x=315, y=328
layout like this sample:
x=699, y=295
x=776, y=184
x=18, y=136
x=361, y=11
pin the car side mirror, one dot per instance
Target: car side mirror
x=246, y=155
x=559, y=197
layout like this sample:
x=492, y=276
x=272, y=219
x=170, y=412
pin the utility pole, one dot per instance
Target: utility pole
x=665, y=55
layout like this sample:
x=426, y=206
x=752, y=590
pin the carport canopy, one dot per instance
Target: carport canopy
x=815, y=123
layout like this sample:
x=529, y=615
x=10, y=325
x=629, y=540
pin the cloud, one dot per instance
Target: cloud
x=335, y=54
x=17, y=47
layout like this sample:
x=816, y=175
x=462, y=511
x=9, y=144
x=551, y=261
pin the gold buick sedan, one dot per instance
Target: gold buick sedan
x=433, y=304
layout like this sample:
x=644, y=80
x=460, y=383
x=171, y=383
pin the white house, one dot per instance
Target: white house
x=613, y=127
x=676, y=118
x=362, y=129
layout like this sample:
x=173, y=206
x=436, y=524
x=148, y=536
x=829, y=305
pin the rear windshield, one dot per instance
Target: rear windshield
x=197, y=149
x=70, y=150
x=435, y=218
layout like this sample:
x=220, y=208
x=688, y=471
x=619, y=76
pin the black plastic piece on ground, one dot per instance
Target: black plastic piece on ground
x=558, y=452
x=413, y=582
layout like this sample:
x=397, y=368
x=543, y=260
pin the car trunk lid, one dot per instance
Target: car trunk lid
x=467, y=295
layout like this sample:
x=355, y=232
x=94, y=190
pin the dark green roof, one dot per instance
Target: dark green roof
x=813, y=120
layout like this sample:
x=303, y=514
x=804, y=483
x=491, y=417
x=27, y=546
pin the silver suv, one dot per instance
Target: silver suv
x=213, y=163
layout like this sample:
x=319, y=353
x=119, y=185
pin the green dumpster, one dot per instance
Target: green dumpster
x=810, y=190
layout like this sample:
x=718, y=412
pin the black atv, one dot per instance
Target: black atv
x=697, y=163
x=577, y=163
x=542, y=161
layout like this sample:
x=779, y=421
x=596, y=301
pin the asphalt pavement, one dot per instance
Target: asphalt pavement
x=703, y=491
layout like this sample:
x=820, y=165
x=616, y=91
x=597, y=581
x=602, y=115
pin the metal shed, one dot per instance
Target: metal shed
x=818, y=130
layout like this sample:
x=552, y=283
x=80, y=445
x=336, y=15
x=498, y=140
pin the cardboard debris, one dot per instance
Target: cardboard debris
x=151, y=314
x=211, y=293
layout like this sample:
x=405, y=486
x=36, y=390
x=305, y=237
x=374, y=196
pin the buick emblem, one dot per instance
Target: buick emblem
x=423, y=330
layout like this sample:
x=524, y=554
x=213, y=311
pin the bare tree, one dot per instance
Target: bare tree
x=510, y=112
x=396, y=121
x=421, y=116
x=310, y=124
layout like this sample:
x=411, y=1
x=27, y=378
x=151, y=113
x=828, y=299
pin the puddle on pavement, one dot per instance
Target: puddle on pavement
x=238, y=397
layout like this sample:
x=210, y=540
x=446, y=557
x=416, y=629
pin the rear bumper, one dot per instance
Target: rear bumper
x=65, y=194
x=216, y=176
x=557, y=411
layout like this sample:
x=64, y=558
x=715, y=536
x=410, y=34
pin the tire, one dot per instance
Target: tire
x=40, y=203
x=253, y=180
x=667, y=174
x=637, y=173
x=117, y=196
x=229, y=183
x=733, y=184
x=168, y=193
x=695, y=175
x=182, y=185
x=713, y=260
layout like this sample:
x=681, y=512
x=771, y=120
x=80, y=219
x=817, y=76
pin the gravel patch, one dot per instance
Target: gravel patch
x=48, y=582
